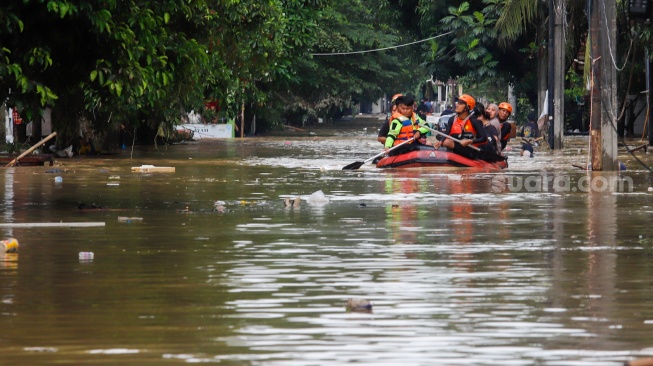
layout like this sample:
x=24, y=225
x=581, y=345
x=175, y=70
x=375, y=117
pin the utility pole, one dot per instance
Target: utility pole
x=556, y=82
x=649, y=83
x=603, y=44
x=551, y=57
x=560, y=9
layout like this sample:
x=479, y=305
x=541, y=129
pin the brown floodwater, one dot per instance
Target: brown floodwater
x=540, y=264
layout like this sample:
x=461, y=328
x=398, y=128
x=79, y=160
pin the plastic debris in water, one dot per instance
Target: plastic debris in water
x=58, y=179
x=129, y=219
x=9, y=245
x=359, y=306
x=86, y=256
x=318, y=198
x=219, y=206
x=292, y=203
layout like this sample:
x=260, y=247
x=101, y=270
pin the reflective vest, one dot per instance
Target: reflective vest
x=407, y=130
x=463, y=130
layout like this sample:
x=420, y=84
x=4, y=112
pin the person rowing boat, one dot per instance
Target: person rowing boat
x=405, y=125
x=466, y=128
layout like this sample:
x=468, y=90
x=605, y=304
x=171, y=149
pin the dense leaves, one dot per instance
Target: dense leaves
x=117, y=62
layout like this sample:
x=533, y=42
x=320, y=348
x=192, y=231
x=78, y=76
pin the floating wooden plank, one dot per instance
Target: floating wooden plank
x=153, y=169
x=294, y=128
x=579, y=166
x=640, y=147
x=51, y=224
x=129, y=219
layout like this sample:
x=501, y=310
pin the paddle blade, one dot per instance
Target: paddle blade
x=354, y=166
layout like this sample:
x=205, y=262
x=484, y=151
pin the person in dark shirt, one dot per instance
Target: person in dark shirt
x=385, y=127
x=424, y=109
x=505, y=110
x=465, y=127
x=529, y=130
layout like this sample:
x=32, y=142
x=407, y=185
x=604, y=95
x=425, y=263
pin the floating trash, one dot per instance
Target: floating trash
x=292, y=202
x=86, y=256
x=318, y=198
x=129, y=219
x=9, y=245
x=359, y=306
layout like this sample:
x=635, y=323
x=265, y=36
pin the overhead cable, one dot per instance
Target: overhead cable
x=380, y=49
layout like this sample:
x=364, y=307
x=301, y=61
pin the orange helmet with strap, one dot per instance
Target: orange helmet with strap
x=469, y=100
x=506, y=106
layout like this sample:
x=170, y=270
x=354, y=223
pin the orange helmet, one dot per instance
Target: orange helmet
x=394, y=98
x=469, y=100
x=506, y=106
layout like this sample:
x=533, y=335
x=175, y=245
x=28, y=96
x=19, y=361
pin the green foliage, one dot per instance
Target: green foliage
x=470, y=49
x=326, y=85
x=148, y=61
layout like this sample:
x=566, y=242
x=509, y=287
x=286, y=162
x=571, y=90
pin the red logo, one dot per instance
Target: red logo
x=16, y=117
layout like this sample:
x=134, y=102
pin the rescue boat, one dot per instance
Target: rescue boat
x=428, y=156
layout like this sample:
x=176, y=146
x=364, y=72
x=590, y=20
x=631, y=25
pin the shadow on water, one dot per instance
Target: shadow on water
x=538, y=264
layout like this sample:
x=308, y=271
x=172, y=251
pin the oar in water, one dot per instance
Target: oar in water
x=358, y=164
x=487, y=155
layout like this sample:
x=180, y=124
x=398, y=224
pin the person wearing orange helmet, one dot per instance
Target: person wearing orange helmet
x=505, y=110
x=385, y=127
x=465, y=127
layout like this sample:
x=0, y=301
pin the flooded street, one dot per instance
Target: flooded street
x=539, y=264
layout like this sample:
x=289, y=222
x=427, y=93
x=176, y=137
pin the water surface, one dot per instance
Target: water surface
x=460, y=267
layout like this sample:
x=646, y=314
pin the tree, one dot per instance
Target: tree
x=336, y=70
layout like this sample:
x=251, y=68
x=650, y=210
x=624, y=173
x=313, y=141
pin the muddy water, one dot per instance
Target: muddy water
x=538, y=264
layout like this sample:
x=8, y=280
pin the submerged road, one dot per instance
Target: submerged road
x=540, y=264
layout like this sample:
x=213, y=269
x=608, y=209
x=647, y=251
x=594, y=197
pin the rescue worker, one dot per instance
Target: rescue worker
x=464, y=127
x=385, y=127
x=406, y=124
x=505, y=110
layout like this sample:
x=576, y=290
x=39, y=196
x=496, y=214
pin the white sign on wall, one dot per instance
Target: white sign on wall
x=202, y=131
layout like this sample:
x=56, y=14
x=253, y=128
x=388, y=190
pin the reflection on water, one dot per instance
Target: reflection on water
x=220, y=270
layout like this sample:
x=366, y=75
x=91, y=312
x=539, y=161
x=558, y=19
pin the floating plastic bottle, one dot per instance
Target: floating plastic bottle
x=58, y=179
x=86, y=256
x=9, y=245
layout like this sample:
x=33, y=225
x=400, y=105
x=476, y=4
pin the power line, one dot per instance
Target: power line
x=379, y=49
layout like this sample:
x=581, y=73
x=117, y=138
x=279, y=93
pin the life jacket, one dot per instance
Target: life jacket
x=417, y=121
x=462, y=130
x=407, y=129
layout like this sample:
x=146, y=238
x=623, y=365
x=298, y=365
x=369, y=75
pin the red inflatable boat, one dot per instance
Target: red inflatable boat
x=425, y=157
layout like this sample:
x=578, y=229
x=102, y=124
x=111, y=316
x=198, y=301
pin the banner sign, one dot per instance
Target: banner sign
x=202, y=131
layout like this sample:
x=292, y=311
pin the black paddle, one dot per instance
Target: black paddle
x=358, y=164
x=487, y=155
